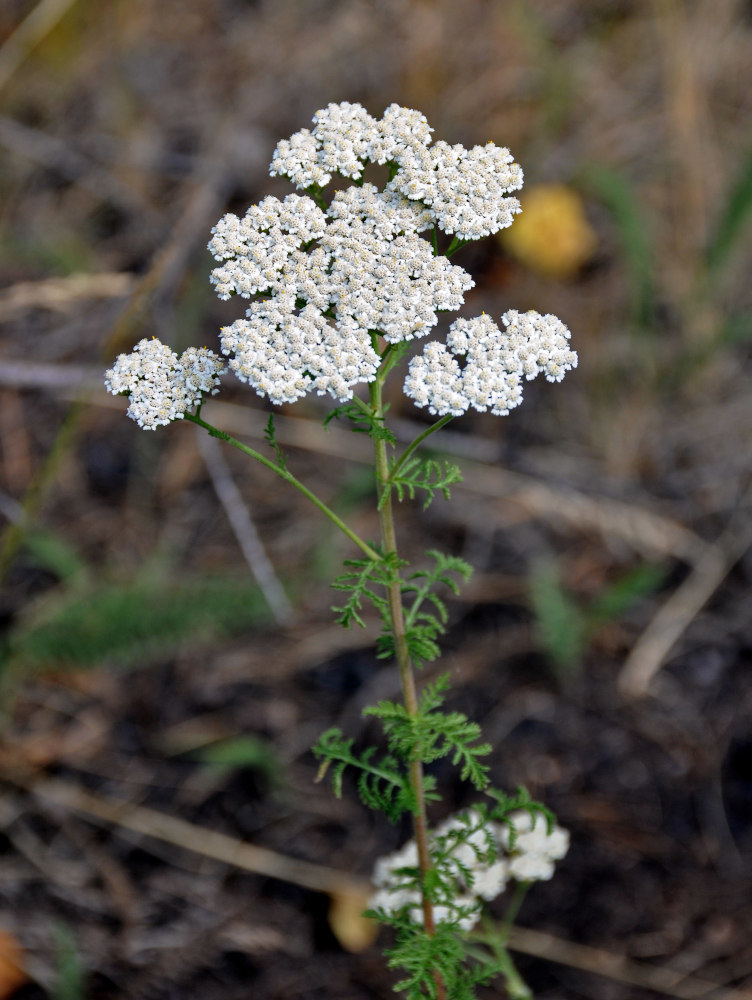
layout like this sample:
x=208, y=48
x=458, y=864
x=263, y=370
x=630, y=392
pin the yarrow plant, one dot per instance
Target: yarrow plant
x=338, y=288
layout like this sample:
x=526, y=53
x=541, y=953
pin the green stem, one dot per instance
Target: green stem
x=455, y=245
x=407, y=677
x=520, y=891
x=288, y=477
x=496, y=941
x=417, y=443
x=314, y=191
x=517, y=988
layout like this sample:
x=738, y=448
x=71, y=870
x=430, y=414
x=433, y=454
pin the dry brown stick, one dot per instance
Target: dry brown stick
x=683, y=606
x=37, y=23
x=62, y=294
x=262, y=861
x=38, y=375
x=167, y=266
x=248, y=538
x=199, y=840
x=618, y=967
x=646, y=531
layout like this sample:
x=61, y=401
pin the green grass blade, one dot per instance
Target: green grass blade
x=616, y=599
x=733, y=219
x=615, y=193
x=559, y=620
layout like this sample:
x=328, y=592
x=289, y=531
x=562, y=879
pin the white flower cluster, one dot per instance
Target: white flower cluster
x=533, y=851
x=464, y=190
x=262, y=246
x=161, y=387
x=330, y=280
x=495, y=362
x=475, y=859
x=284, y=354
x=383, y=275
x=344, y=138
x=326, y=282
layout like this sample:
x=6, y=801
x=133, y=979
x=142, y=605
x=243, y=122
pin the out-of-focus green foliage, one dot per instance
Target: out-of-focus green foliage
x=243, y=753
x=733, y=219
x=566, y=627
x=53, y=553
x=127, y=623
x=71, y=975
x=611, y=188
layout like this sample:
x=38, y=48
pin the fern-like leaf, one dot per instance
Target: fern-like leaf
x=382, y=786
x=521, y=800
x=444, y=953
x=431, y=734
x=423, y=627
x=360, y=578
x=271, y=440
x=421, y=474
x=361, y=422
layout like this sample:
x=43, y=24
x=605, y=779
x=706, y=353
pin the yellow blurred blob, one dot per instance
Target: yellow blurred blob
x=353, y=931
x=552, y=235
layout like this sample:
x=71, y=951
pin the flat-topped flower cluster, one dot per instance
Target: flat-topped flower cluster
x=464, y=191
x=325, y=280
x=331, y=284
x=162, y=386
x=495, y=363
x=476, y=859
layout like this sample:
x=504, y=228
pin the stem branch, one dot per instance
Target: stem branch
x=288, y=477
x=418, y=442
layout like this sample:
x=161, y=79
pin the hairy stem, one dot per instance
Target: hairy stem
x=407, y=677
x=288, y=477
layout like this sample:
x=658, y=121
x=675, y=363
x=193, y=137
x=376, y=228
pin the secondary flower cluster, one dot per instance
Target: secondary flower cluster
x=160, y=386
x=495, y=363
x=463, y=190
x=475, y=860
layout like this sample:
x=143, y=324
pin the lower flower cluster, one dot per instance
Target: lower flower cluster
x=474, y=859
x=160, y=386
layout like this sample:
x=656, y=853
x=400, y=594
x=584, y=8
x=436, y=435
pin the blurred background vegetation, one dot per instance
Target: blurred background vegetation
x=148, y=653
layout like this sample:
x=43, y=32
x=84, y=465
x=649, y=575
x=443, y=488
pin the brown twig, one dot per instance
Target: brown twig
x=262, y=861
x=648, y=532
x=62, y=294
x=683, y=606
x=199, y=840
x=619, y=968
x=245, y=531
x=199, y=211
x=37, y=23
